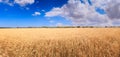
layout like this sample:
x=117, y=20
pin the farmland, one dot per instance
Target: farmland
x=60, y=42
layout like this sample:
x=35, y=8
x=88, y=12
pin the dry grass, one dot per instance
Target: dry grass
x=60, y=42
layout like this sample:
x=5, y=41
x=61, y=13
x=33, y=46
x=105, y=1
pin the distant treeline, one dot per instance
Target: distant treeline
x=68, y=27
x=82, y=27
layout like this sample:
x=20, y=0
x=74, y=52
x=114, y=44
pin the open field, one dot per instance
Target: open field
x=60, y=42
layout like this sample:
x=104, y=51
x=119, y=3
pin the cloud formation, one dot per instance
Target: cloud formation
x=112, y=7
x=113, y=10
x=85, y=14
x=19, y=2
x=36, y=14
x=24, y=2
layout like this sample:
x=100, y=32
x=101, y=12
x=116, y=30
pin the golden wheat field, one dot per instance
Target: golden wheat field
x=60, y=42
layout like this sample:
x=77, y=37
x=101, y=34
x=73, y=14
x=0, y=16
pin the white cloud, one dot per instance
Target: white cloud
x=113, y=10
x=19, y=2
x=24, y=2
x=55, y=12
x=36, y=14
x=85, y=14
x=112, y=7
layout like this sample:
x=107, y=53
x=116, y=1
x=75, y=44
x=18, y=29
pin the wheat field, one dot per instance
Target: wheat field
x=60, y=42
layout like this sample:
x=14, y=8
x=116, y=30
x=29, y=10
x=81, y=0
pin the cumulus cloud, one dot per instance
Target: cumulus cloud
x=24, y=2
x=85, y=14
x=113, y=10
x=19, y=2
x=112, y=7
x=54, y=12
x=36, y=14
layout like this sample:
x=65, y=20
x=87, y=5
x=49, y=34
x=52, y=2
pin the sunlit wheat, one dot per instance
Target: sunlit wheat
x=60, y=42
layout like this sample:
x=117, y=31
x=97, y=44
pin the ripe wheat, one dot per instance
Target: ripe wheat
x=60, y=42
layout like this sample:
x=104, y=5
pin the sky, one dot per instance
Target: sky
x=36, y=13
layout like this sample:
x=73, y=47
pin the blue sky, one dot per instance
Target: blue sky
x=24, y=13
x=17, y=15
